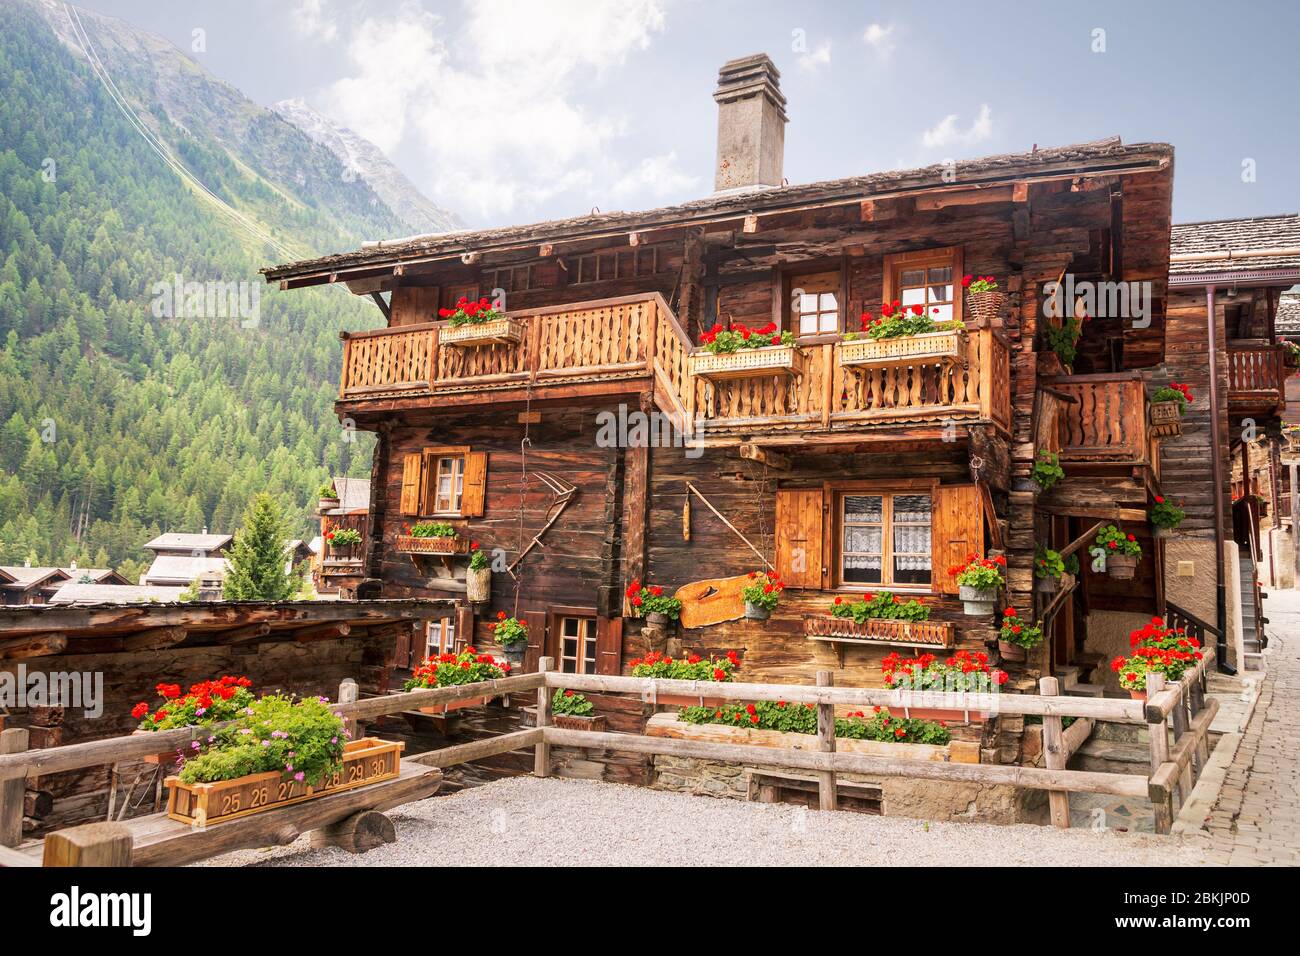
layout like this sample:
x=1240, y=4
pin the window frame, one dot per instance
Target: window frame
x=950, y=256
x=784, y=281
x=834, y=546
x=556, y=616
x=433, y=458
x=447, y=629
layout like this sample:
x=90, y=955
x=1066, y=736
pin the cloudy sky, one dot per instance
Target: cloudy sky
x=511, y=112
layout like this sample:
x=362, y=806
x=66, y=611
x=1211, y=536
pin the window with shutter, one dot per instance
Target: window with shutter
x=474, y=490
x=799, y=537
x=412, y=472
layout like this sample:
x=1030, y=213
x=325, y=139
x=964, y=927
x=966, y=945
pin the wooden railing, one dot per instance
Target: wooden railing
x=1108, y=421
x=1256, y=376
x=638, y=336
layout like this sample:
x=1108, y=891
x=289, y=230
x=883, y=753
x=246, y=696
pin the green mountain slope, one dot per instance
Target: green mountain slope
x=117, y=422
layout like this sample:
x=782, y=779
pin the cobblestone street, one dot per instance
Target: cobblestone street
x=1256, y=819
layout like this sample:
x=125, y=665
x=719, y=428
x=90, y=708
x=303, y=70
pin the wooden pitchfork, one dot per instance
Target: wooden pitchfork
x=564, y=492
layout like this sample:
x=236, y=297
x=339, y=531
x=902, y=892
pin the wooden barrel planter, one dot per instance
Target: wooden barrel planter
x=1121, y=567
x=409, y=544
x=1166, y=420
x=786, y=360
x=365, y=761
x=496, y=332
x=904, y=350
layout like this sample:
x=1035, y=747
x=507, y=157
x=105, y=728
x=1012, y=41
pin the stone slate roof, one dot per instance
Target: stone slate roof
x=1229, y=236
x=74, y=593
x=354, y=495
x=24, y=578
x=1094, y=157
x=180, y=541
x=1288, y=314
x=183, y=568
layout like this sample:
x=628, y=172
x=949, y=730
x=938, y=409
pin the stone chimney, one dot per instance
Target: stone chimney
x=751, y=124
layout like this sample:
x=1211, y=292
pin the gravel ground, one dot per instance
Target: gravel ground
x=556, y=822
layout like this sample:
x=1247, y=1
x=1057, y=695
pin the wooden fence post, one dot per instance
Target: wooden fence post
x=349, y=693
x=826, y=794
x=12, y=741
x=1054, y=754
x=94, y=844
x=1187, y=778
x=542, y=751
x=1162, y=803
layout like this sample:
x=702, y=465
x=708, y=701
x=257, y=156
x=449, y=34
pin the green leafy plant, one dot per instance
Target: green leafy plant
x=569, y=703
x=344, y=537
x=896, y=321
x=737, y=336
x=1164, y=514
x=509, y=631
x=650, y=599
x=1047, y=469
x=471, y=313
x=980, y=283
x=1071, y=563
x=982, y=574
x=449, y=670
x=881, y=604
x=1117, y=542
x=299, y=739
x=478, y=559
x=961, y=672
x=1063, y=339
x=691, y=667
x=1048, y=564
x=431, y=529
x=764, y=592
x=794, y=718
x=327, y=491
x=1016, y=631
x=1174, y=392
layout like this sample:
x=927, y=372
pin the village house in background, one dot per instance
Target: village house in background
x=336, y=571
x=181, y=559
x=29, y=585
x=841, y=471
x=1230, y=275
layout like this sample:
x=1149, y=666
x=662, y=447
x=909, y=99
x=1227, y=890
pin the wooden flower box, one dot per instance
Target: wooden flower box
x=882, y=631
x=1166, y=420
x=409, y=544
x=496, y=332
x=595, y=723
x=442, y=709
x=925, y=348
x=365, y=761
x=786, y=360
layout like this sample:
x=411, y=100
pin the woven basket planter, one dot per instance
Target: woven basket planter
x=786, y=360
x=1166, y=420
x=985, y=308
x=497, y=332
x=904, y=350
x=409, y=544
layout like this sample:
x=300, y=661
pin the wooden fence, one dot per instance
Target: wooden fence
x=1176, y=759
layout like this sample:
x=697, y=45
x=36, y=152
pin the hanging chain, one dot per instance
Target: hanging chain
x=524, y=444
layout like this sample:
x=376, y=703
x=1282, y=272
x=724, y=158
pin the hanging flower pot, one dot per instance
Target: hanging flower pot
x=512, y=634
x=648, y=601
x=977, y=602
x=478, y=576
x=756, y=612
x=1122, y=552
x=1121, y=567
x=761, y=595
x=1011, y=652
x=978, y=583
x=1017, y=636
x=984, y=303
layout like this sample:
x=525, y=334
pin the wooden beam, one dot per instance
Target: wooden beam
x=383, y=306
x=1054, y=755
x=240, y=635
x=967, y=197
x=94, y=844
x=773, y=459
x=34, y=645
x=153, y=637
x=12, y=741
x=322, y=632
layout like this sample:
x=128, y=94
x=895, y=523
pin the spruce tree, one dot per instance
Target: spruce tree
x=258, y=559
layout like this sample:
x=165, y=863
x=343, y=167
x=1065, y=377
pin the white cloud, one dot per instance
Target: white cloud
x=880, y=37
x=312, y=20
x=817, y=58
x=494, y=104
x=656, y=176
x=947, y=133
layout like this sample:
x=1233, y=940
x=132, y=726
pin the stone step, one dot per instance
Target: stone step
x=1086, y=690
x=1254, y=661
x=1068, y=676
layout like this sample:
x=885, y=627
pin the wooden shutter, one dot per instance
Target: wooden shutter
x=609, y=645
x=412, y=465
x=475, y=487
x=957, y=530
x=799, y=559
x=465, y=626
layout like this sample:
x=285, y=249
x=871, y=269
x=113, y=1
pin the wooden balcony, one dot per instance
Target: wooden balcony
x=635, y=344
x=1256, y=378
x=1105, y=429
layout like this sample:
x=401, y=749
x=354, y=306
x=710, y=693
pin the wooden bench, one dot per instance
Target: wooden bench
x=352, y=819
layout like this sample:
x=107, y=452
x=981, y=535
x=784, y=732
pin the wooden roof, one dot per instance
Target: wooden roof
x=1108, y=156
x=43, y=630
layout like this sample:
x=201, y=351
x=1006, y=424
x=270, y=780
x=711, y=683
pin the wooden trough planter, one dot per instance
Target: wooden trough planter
x=937, y=634
x=1166, y=420
x=409, y=544
x=786, y=360
x=497, y=332
x=365, y=761
x=595, y=722
x=904, y=350
x=443, y=709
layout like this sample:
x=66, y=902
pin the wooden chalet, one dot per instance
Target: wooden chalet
x=1227, y=280
x=845, y=479
x=334, y=572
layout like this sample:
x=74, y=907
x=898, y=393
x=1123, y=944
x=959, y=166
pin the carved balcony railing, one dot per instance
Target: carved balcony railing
x=1107, y=424
x=636, y=343
x=1256, y=378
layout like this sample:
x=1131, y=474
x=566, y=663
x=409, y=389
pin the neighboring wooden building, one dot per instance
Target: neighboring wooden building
x=843, y=479
x=180, y=559
x=334, y=572
x=29, y=585
x=1234, y=271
